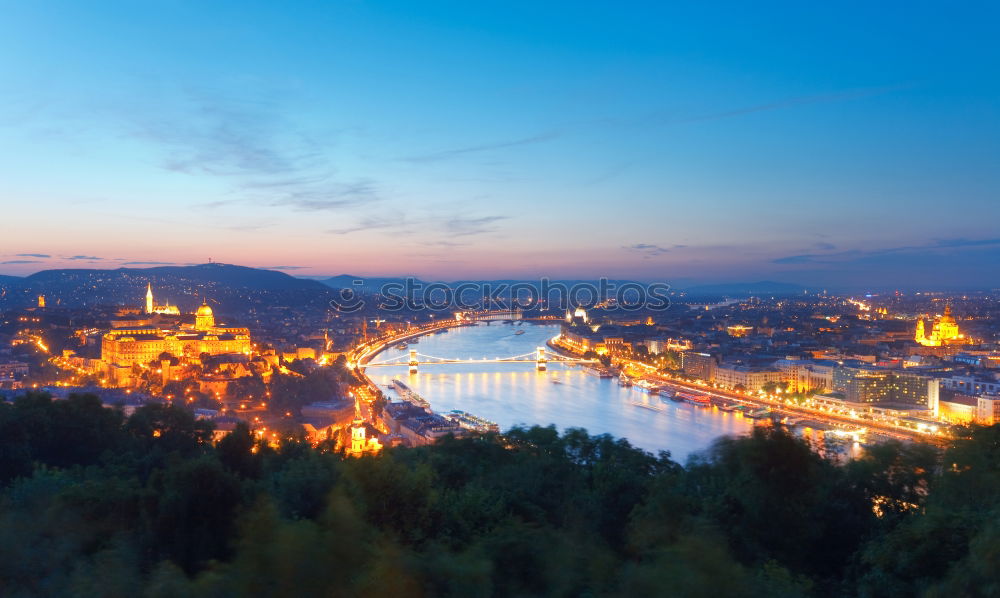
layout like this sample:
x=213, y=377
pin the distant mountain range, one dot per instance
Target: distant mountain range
x=240, y=286
x=224, y=274
x=746, y=289
x=731, y=289
x=234, y=287
x=368, y=284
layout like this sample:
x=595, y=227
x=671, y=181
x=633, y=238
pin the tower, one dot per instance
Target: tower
x=149, y=298
x=357, y=436
x=204, y=319
x=41, y=301
x=413, y=361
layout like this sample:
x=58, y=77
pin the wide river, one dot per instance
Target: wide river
x=567, y=396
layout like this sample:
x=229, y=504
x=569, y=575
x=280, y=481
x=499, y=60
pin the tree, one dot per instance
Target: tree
x=236, y=451
x=162, y=429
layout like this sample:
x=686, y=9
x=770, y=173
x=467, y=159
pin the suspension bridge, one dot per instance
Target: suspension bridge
x=541, y=357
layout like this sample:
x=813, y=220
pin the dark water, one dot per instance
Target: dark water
x=511, y=394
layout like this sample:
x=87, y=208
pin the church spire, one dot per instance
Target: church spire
x=149, y=298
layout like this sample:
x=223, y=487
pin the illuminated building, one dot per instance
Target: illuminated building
x=751, y=379
x=805, y=376
x=152, y=308
x=128, y=346
x=879, y=386
x=988, y=410
x=41, y=301
x=739, y=330
x=204, y=318
x=360, y=442
x=943, y=332
x=358, y=436
x=699, y=365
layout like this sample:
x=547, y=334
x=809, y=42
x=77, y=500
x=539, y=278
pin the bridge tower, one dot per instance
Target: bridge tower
x=540, y=359
x=413, y=361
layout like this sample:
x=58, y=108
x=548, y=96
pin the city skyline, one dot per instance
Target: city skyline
x=827, y=147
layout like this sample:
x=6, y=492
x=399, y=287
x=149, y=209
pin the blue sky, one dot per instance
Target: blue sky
x=827, y=144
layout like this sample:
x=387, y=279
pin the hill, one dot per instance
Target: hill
x=368, y=284
x=231, y=286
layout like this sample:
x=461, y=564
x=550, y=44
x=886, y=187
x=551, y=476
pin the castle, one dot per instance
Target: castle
x=126, y=346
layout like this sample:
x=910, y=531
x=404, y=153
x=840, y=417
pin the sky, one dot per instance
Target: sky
x=826, y=144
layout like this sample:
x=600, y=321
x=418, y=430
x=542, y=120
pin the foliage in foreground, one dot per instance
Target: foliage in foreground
x=96, y=505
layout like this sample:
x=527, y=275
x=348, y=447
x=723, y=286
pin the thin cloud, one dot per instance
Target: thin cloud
x=22, y=262
x=89, y=258
x=484, y=147
x=269, y=161
x=44, y=255
x=154, y=264
x=221, y=137
x=370, y=223
x=443, y=244
x=648, y=250
x=855, y=254
x=462, y=226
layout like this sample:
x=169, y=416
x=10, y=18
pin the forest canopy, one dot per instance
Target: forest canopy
x=96, y=504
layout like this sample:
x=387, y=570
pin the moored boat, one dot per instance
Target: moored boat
x=695, y=399
x=599, y=372
x=472, y=422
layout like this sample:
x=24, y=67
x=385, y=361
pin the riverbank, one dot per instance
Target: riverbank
x=882, y=430
x=563, y=395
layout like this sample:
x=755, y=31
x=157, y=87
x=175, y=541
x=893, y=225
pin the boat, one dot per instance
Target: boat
x=599, y=372
x=402, y=346
x=557, y=381
x=519, y=332
x=409, y=395
x=646, y=406
x=471, y=422
x=695, y=399
x=623, y=381
x=762, y=413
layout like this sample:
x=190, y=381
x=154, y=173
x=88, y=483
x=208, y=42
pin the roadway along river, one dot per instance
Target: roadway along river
x=566, y=396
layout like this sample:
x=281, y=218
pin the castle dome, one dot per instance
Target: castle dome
x=204, y=310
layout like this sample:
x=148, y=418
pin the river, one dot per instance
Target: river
x=567, y=396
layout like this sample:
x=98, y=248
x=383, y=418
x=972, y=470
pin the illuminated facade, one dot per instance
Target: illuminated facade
x=878, y=386
x=204, y=318
x=361, y=443
x=152, y=308
x=943, y=332
x=739, y=330
x=140, y=345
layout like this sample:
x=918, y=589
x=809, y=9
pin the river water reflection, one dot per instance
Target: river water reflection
x=566, y=396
